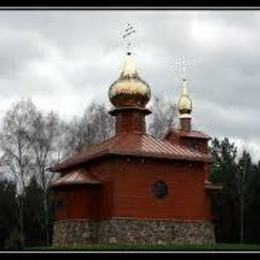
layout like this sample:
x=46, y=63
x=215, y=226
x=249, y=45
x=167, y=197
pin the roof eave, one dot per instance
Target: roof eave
x=197, y=137
x=162, y=156
x=63, y=166
x=54, y=185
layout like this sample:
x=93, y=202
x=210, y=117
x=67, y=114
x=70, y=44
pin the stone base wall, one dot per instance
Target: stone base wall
x=83, y=232
x=74, y=232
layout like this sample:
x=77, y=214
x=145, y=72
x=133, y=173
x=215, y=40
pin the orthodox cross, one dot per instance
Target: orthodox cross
x=183, y=63
x=128, y=37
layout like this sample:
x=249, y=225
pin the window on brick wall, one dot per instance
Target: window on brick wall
x=160, y=189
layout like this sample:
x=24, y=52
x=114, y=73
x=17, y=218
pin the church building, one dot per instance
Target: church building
x=134, y=188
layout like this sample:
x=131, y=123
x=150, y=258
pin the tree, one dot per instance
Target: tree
x=101, y=123
x=223, y=171
x=252, y=211
x=17, y=159
x=34, y=214
x=163, y=117
x=43, y=137
x=243, y=175
x=95, y=126
x=8, y=216
x=236, y=207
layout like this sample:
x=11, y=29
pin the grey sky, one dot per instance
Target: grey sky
x=66, y=59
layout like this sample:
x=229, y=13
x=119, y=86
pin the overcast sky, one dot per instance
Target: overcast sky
x=66, y=59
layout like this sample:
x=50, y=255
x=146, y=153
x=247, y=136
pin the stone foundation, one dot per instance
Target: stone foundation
x=74, y=232
x=82, y=232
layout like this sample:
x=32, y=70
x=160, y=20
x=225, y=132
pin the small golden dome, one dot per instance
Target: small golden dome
x=185, y=103
x=129, y=90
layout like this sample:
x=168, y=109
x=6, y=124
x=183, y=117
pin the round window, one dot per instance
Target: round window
x=160, y=189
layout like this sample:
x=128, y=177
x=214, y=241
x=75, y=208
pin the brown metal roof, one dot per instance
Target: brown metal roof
x=191, y=134
x=76, y=177
x=194, y=134
x=134, y=145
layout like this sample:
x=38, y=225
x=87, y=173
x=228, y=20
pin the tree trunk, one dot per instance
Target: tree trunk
x=242, y=222
x=242, y=206
x=46, y=217
x=20, y=213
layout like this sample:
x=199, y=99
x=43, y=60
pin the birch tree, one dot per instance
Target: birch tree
x=43, y=140
x=16, y=156
x=164, y=116
x=95, y=126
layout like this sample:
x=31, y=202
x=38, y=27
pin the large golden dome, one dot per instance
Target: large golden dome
x=185, y=103
x=129, y=90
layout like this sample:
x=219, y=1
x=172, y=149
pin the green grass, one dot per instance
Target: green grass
x=147, y=247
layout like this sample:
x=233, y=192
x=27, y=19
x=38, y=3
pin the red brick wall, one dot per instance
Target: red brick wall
x=186, y=199
x=77, y=202
x=129, y=121
x=127, y=191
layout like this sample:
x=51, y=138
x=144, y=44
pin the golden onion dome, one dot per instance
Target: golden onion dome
x=185, y=103
x=129, y=90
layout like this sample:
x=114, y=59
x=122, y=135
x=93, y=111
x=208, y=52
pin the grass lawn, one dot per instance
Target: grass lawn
x=139, y=247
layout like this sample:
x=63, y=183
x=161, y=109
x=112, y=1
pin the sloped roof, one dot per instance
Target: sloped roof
x=191, y=134
x=133, y=144
x=76, y=177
